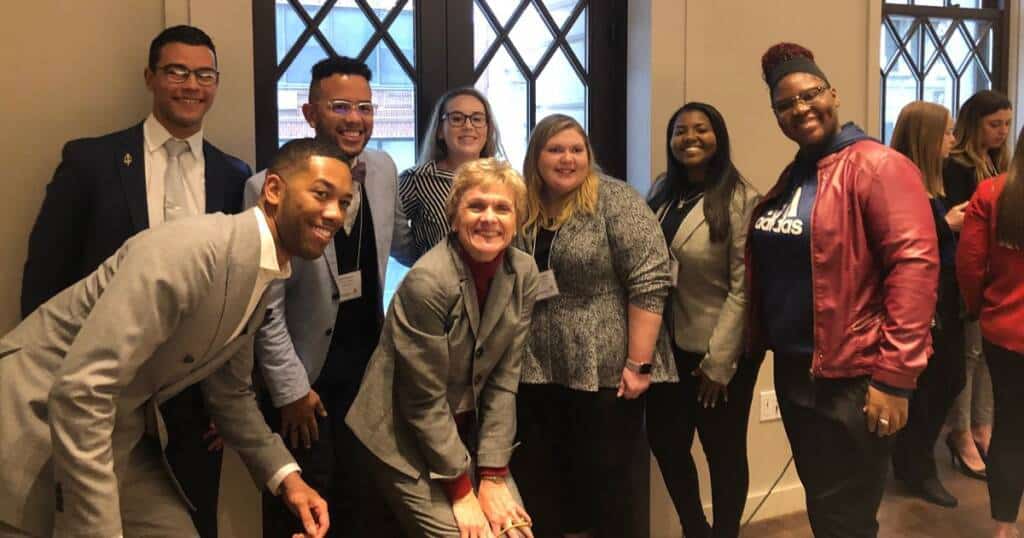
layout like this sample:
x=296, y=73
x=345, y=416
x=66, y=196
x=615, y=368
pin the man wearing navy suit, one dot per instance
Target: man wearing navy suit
x=109, y=188
x=327, y=317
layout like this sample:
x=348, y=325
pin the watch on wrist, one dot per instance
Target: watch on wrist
x=642, y=368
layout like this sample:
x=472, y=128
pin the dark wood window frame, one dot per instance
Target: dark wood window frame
x=444, y=59
x=993, y=12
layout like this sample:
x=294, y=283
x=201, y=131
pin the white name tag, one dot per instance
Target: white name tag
x=350, y=285
x=547, y=286
x=673, y=270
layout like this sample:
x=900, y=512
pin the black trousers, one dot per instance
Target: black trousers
x=196, y=468
x=842, y=466
x=673, y=415
x=332, y=468
x=1006, y=453
x=913, y=455
x=582, y=462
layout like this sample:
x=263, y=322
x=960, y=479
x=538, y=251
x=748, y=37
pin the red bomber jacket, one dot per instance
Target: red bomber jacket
x=874, y=267
x=989, y=273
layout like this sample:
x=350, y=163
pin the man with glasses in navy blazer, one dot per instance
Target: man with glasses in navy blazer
x=109, y=188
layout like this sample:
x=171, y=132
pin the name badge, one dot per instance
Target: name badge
x=350, y=285
x=547, y=286
x=673, y=270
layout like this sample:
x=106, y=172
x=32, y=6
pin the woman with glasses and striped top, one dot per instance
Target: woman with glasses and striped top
x=461, y=129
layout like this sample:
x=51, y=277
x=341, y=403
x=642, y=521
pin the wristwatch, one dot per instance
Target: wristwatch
x=642, y=368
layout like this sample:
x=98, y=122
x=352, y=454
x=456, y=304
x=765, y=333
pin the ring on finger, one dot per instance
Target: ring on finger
x=883, y=421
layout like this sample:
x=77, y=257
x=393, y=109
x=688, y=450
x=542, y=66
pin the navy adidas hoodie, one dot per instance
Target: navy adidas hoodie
x=781, y=248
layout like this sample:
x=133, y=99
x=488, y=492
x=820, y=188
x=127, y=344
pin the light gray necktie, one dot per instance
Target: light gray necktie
x=176, y=204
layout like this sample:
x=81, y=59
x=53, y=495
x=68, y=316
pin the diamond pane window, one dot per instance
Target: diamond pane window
x=380, y=33
x=530, y=60
x=936, y=50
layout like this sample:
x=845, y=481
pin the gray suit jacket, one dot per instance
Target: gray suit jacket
x=292, y=345
x=707, y=309
x=82, y=378
x=438, y=356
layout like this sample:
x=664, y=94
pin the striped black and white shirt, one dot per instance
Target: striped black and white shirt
x=422, y=191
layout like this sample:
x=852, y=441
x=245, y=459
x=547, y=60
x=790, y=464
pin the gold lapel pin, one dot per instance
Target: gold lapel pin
x=127, y=159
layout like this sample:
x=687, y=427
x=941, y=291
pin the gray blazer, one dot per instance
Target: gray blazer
x=82, y=378
x=603, y=263
x=292, y=345
x=707, y=309
x=438, y=356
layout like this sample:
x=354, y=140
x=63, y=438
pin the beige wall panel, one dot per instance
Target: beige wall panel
x=74, y=69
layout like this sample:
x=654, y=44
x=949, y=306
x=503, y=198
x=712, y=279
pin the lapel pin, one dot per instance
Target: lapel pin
x=127, y=160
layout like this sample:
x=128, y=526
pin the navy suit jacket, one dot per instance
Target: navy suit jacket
x=97, y=200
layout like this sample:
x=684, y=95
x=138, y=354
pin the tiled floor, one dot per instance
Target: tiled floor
x=902, y=516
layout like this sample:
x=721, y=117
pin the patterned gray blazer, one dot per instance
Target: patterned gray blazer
x=603, y=263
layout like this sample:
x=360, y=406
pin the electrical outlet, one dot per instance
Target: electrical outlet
x=769, y=406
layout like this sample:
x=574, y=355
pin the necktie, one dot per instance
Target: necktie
x=176, y=204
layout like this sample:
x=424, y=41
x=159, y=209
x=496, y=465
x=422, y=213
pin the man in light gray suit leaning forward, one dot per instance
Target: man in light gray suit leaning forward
x=82, y=378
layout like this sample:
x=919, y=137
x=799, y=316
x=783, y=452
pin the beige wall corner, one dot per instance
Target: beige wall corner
x=230, y=125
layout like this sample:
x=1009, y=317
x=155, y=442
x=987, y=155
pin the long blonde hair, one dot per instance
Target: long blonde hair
x=434, y=146
x=919, y=134
x=585, y=197
x=1010, y=206
x=968, y=150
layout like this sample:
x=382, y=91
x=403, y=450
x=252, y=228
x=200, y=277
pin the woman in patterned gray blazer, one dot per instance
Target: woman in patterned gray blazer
x=437, y=403
x=593, y=339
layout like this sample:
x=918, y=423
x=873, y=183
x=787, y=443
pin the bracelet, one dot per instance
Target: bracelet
x=496, y=479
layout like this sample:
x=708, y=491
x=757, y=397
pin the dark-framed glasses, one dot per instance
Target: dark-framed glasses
x=178, y=74
x=344, y=107
x=806, y=97
x=458, y=119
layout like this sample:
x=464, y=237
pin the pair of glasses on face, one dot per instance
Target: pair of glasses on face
x=783, y=106
x=458, y=119
x=179, y=74
x=344, y=107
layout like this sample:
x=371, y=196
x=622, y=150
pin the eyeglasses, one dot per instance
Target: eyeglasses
x=179, y=74
x=785, y=105
x=343, y=107
x=458, y=119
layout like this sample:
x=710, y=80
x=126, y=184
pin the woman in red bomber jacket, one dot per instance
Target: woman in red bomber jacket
x=990, y=269
x=842, y=269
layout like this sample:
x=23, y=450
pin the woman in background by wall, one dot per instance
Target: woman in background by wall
x=924, y=133
x=593, y=347
x=704, y=206
x=842, y=270
x=461, y=129
x=989, y=266
x=981, y=151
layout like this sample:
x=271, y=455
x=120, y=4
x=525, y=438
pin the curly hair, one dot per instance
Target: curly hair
x=782, y=59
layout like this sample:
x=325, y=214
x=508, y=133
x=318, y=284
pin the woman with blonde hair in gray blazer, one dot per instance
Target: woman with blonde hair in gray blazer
x=592, y=348
x=437, y=407
x=704, y=205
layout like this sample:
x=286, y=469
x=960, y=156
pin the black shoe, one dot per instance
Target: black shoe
x=931, y=490
x=958, y=461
